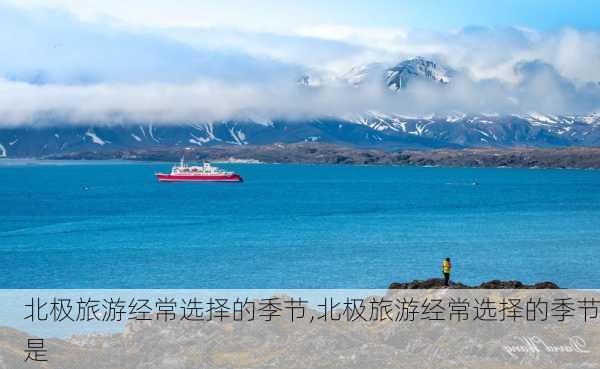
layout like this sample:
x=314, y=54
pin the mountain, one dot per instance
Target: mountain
x=493, y=130
x=417, y=69
x=399, y=76
x=371, y=130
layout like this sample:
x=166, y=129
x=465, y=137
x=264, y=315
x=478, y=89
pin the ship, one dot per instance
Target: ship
x=191, y=173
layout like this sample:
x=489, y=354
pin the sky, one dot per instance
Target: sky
x=185, y=60
x=283, y=16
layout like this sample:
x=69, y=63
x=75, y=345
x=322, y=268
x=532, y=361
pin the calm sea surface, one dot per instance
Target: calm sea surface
x=111, y=225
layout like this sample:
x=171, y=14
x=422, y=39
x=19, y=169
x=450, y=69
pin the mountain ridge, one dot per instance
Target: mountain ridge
x=370, y=130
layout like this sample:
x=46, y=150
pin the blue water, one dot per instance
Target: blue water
x=294, y=226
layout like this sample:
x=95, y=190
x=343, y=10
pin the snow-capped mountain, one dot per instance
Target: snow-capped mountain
x=492, y=130
x=417, y=69
x=371, y=129
x=399, y=76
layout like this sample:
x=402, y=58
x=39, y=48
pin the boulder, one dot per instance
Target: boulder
x=494, y=284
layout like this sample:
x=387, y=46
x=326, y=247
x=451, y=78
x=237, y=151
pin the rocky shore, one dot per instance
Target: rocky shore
x=435, y=283
x=381, y=335
x=317, y=153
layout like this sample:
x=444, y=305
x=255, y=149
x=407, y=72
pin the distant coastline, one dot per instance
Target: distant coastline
x=317, y=153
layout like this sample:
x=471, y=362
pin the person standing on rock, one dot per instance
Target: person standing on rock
x=446, y=269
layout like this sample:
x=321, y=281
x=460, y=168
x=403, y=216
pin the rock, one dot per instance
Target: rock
x=497, y=284
x=426, y=284
x=545, y=285
x=434, y=283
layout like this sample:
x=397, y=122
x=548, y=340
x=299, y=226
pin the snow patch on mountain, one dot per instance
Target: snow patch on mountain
x=95, y=139
x=209, y=129
x=455, y=117
x=238, y=136
x=198, y=140
x=3, y=153
x=151, y=133
x=546, y=118
x=592, y=118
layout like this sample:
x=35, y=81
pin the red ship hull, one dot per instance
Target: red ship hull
x=162, y=177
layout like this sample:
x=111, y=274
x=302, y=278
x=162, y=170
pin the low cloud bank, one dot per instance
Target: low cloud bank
x=210, y=101
x=56, y=68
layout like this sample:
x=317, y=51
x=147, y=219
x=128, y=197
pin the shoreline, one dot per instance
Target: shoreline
x=525, y=158
x=11, y=162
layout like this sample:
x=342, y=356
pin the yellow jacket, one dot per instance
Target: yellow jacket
x=446, y=267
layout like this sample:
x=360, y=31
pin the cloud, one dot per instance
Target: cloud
x=212, y=100
x=298, y=50
x=202, y=100
x=56, y=67
x=45, y=47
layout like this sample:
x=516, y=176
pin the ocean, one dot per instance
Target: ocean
x=112, y=225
